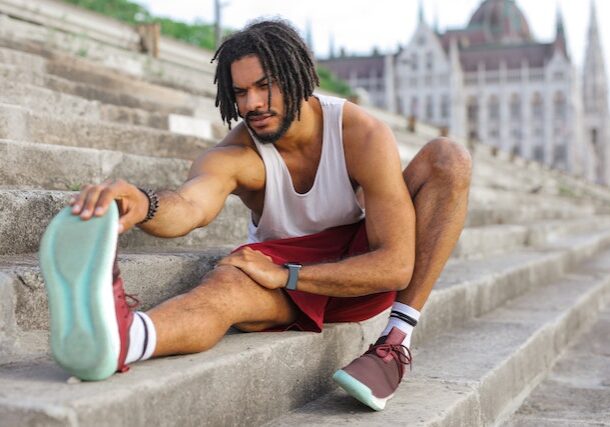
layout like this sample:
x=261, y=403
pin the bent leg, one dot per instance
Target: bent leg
x=438, y=179
x=197, y=320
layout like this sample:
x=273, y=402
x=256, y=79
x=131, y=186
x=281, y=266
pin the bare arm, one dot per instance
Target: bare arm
x=213, y=176
x=373, y=161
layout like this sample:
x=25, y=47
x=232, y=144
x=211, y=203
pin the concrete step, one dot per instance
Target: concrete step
x=285, y=371
x=502, y=198
x=479, y=242
x=46, y=101
x=88, y=80
x=56, y=167
x=539, y=177
x=36, y=207
x=186, y=74
x=577, y=390
x=91, y=74
x=93, y=93
x=505, y=213
x=474, y=285
x=59, y=167
x=153, y=276
x=129, y=103
x=24, y=215
x=20, y=124
x=501, y=175
x=454, y=382
x=514, y=174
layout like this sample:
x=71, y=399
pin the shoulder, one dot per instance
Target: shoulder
x=233, y=149
x=365, y=135
x=235, y=156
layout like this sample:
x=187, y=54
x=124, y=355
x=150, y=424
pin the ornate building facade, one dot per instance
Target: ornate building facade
x=493, y=82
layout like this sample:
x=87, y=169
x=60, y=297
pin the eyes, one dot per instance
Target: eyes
x=264, y=85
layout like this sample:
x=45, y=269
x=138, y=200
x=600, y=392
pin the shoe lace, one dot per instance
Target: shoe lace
x=126, y=302
x=403, y=358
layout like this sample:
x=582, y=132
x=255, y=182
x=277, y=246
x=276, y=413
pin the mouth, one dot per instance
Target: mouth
x=259, y=120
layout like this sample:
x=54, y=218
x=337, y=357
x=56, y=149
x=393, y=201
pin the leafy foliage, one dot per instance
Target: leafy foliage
x=331, y=83
x=123, y=10
x=198, y=33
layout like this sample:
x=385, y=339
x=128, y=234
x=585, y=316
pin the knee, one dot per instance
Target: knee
x=225, y=279
x=450, y=162
x=227, y=274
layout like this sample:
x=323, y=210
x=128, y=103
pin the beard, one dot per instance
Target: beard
x=269, y=137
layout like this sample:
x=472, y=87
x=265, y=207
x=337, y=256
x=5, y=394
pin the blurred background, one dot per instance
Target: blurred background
x=528, y=78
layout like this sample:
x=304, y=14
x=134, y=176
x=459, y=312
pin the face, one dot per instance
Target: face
x=251, y=89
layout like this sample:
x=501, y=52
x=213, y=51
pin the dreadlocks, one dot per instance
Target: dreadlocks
x=285, y=59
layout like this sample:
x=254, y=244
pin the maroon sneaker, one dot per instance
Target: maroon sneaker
x=89, y=315
x=124, y=315
x=374, y=377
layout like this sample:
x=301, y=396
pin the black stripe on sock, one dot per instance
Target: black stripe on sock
x=145, y=335
x=405, y=318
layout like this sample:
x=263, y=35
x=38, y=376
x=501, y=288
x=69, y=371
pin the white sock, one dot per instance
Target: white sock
x=404, y=318
x=142, y=338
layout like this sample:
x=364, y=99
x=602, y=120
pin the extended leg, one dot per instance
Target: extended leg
x=438, y=179
x=197, y=320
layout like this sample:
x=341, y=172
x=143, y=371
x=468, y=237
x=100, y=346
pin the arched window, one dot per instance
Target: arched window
x=537, y=107
x=429, y=107
x=429, y=61
x=516, y=125
x=560, y=126
x=515, y=107
x=560, y=106
x=493, y=114
x=493, y=108
x=473, y=117
x=445, y=106
x=537, y=122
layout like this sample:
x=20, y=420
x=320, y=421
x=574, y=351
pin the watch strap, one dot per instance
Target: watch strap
x=293, y=275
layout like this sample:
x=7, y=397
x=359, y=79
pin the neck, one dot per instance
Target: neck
x=304, y=131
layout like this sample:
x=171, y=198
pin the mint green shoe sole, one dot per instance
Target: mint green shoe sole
x=76, y=259
x=356, y=389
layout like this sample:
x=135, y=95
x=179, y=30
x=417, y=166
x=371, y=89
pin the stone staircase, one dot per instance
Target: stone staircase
x=531, y=269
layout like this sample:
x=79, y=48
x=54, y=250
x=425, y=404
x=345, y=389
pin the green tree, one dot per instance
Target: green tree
x=331, y=83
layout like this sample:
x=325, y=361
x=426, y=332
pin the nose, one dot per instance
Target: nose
x=256, y=100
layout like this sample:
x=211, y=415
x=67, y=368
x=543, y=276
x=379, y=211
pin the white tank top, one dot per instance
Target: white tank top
x=330, y=202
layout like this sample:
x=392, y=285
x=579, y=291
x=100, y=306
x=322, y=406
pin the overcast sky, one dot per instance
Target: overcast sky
x=358, y=26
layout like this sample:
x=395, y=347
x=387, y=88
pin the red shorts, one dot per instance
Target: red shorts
x=327, y=246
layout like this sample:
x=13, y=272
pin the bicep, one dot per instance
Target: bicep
x=390, y=215
x=212, y=177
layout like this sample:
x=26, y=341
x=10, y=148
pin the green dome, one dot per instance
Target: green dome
x=502, y=21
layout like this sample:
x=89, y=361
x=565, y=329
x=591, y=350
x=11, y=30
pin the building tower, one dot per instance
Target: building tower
x=595, y=102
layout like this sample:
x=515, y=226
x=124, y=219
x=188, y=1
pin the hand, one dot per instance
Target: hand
x=94, y=200
x=259, y=267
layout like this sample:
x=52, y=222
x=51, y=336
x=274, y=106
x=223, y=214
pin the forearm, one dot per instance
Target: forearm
x=373, y=272
x=175, y=216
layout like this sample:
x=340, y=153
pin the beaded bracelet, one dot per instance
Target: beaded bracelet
x=153, y=203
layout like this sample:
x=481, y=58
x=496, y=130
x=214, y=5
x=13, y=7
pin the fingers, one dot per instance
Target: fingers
x=94, y=200
x=90, y=201
x=86, y=204
x=244, y=257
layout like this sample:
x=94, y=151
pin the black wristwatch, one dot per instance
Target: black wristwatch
x=293, y=275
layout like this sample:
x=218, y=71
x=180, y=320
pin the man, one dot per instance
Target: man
x=303, y=164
